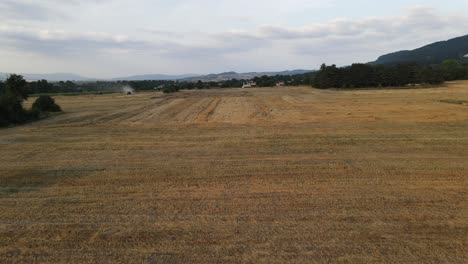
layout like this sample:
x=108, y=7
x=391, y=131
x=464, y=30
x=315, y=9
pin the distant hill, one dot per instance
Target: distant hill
x=53, y=77
x=434, y=53
x=248, y=75
x=209, y=77
x=155, y=77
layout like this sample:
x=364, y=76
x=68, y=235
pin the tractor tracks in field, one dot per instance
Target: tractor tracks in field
x=212, y=108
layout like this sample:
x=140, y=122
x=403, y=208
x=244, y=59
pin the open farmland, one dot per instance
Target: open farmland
x=268, y=175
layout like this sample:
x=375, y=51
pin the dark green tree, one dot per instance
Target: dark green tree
x=200, y=85
x=328, y=77
x=16, y=87
x=45, y=103
x=453, y=70
x=11, y=101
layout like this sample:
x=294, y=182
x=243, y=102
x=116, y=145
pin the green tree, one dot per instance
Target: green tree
x=16, y=87
x=453, y=70
x=45, y=103
x=431, y=75
x=329, y=77
x=11, y=101
x=200, y=84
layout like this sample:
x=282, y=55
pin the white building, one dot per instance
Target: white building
x=249, y=84
x=160, y=87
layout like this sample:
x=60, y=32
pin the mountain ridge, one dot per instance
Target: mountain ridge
x=435, y=53
x=246, y=75
x=55, y=77
x=163, y=77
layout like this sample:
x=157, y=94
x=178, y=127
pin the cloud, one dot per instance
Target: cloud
x=374, y=35
x=414, y=20
x=27, y=10
x=340, y=41
x=60, y=43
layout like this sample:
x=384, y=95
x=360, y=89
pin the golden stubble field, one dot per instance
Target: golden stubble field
x=274, y=175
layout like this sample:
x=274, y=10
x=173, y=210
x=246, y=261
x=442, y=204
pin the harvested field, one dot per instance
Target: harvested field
x=273, y=175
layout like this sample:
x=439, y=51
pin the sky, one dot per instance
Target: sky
x=116, y=38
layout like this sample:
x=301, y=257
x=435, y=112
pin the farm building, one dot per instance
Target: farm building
x=280, y=84
x=160, y=87
x=249, y=84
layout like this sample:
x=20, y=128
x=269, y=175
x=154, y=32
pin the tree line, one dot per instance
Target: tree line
x=329, y=76
x=167, y=86
x=398, y=75
x=13, y=92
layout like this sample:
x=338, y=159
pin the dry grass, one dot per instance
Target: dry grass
x=259, y=175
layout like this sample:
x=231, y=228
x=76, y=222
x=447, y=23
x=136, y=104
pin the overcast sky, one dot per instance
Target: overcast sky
x=109, y=38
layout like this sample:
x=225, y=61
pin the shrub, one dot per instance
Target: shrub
x=45, y=103
x=12, y=94
x=11, y=109
x=3, y=122
x=171, y=89
x=32, y=114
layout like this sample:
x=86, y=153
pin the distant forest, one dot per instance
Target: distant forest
x=69, y=87
x=13, y=93
x=15, y=89
x=391, y=75
x=329, y=76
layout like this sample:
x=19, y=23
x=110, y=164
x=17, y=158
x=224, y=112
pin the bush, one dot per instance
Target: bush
x=11, y=110
x=3, y=122
x=45, y=103
x=12, y=94
x=32, y=114
x=171, y=89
